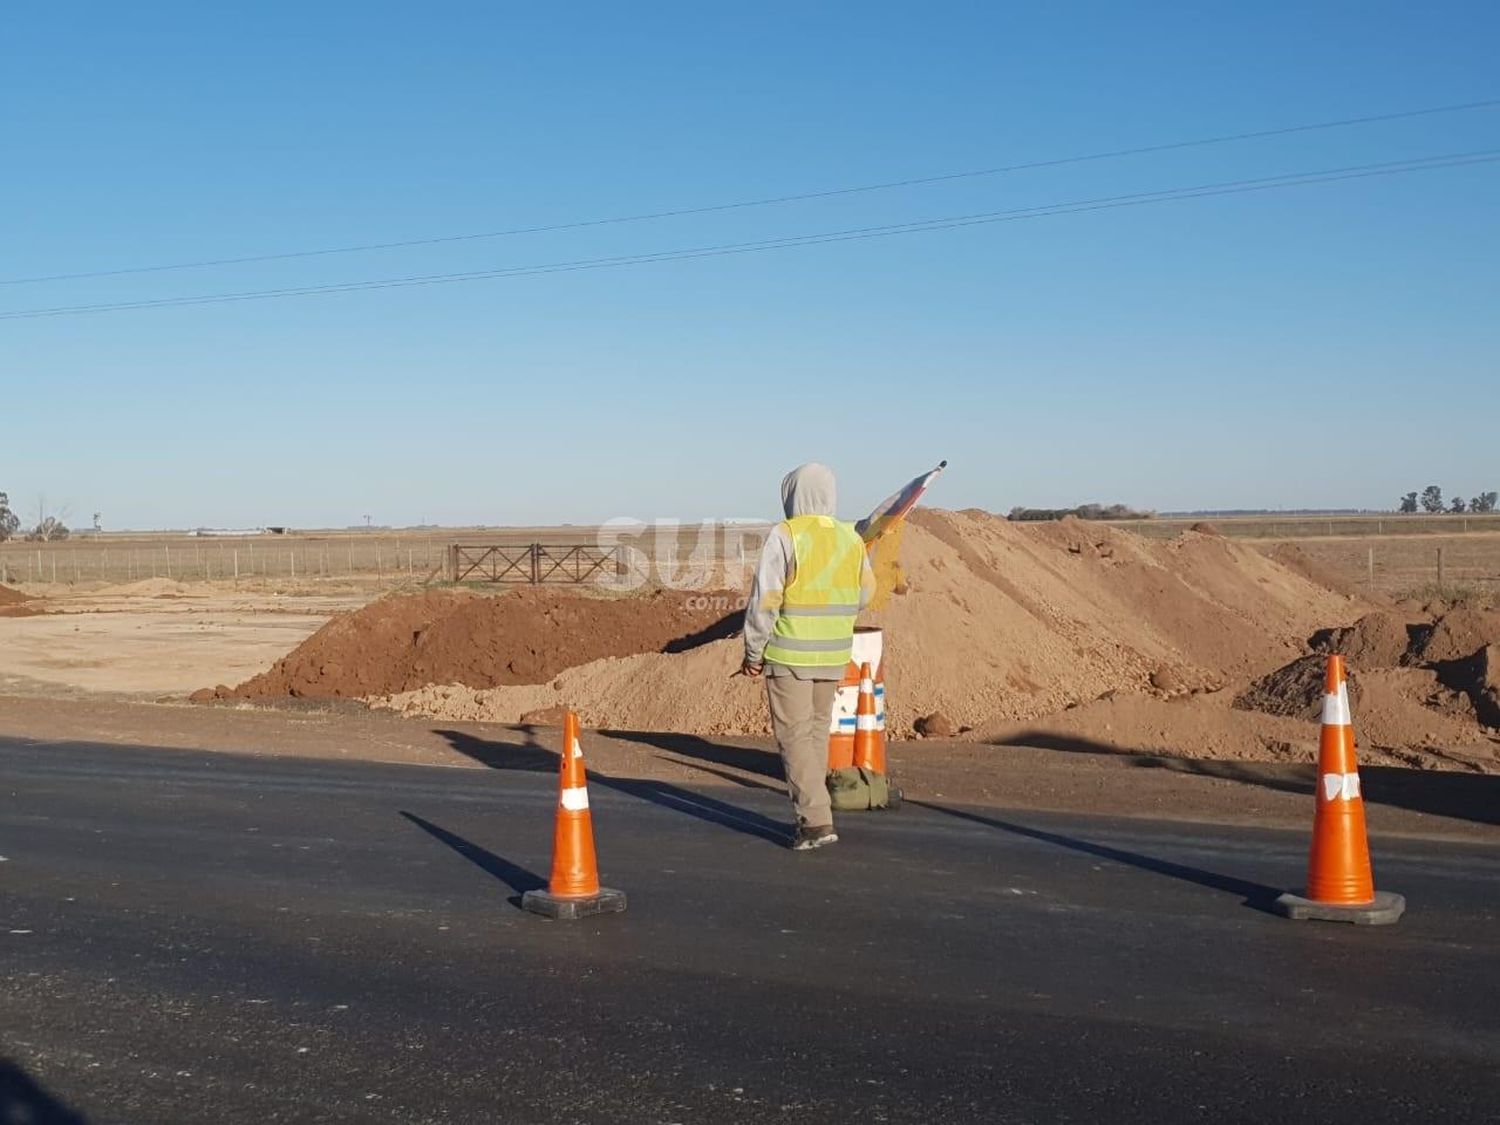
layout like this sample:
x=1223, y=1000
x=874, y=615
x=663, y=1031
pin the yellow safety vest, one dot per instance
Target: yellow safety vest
x=815, y=628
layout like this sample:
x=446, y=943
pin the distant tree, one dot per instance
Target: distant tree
x=48, y=530
x=1408, y=503
x=10, y=523
x=1484, y=502
x=1458, y=504
x=1432, y=498
x=98, y=522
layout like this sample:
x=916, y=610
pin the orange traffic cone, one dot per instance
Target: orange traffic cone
x=574, y=890
x=869, y=739
x=1340, y=886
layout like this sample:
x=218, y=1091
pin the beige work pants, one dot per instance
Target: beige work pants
x=800, y=712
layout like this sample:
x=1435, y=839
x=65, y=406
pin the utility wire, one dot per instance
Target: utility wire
x=769, y=201
x=1169, y=195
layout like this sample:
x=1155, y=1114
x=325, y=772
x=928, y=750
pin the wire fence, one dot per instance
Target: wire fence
x=200, y=560
x=692, y=557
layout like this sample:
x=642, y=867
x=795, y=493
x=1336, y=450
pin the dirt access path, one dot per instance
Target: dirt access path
x=157, y=637
x=1055, y=777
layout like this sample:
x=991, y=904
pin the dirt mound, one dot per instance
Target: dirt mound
x=1394, y=726
x=1459, y=634
x=1203, y=527
x=149, y=588
x=13, y=603
x=1295, y=559
x=693, y=692
x=1376, y=640
x=1294, y=690
x=405, y=642
x=999, y=621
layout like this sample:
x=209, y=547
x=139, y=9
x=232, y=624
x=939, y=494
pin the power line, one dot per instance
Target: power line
x=768, y=201
x=1169, y=195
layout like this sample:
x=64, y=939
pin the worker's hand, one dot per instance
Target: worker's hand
x=749, y=668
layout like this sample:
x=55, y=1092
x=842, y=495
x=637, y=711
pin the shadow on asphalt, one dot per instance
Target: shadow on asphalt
x=747, y=758
x=1257, y=896
x=532, y=755
x=24, y=1102
x=1450, y=793
x=513, y=875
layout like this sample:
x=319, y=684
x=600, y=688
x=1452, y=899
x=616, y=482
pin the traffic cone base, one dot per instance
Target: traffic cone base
x=568, y=908
x=574, y=891
x=1340, y=885
x=1382, y=910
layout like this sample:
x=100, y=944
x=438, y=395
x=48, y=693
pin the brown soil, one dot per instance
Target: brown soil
x=1294, y=690
x=1376, y=640
x=13, y=603
x=1459, y=634
x=1295, y=559
x=528, y=636
x=1000, y=621
x=1067, y=634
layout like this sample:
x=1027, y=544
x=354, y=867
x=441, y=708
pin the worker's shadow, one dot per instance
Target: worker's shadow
x=1257, y=896
x=531, y=754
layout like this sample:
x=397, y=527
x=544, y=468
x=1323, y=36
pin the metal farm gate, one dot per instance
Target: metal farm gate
x=535, y=563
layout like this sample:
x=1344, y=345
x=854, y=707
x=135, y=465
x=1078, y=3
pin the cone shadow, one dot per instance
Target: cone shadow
x=513, y=875
x=1257, y=896
x=662, y=793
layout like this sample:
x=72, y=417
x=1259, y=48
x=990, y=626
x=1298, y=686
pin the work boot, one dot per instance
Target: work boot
x=808, y=838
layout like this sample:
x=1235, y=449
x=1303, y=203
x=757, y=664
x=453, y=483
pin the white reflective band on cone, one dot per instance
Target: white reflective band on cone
x=575, y=799
x=1336, y=708
x=1340, y=785
x=867, y=686
x=864, y=722
x=577, y=749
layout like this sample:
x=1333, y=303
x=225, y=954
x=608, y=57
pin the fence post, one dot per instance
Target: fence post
x=536, y=564
x=1372, y=568
x=236, y=564
x=1440, y=569
x=166, y=550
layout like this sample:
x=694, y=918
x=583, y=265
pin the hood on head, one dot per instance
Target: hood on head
x=809, y=490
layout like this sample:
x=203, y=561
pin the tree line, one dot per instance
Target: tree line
x=1083, y=512
x=1430, y=499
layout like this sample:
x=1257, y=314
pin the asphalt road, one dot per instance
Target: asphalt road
x=210, y=938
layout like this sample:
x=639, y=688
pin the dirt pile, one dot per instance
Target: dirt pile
x=999, y=621
x=1423, y=692
x=405, y=642
x=1458, y=634
x=1295, y=559
x=1294, y=690
x=13, y=603
x=1376, y=640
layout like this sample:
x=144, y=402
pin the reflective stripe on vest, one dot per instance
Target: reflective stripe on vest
x=815, y=628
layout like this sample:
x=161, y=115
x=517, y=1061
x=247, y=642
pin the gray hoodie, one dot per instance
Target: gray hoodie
x=809, y=490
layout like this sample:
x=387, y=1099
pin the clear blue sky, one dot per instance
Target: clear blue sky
x=1327, y=345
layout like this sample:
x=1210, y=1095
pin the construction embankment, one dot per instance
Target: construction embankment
x=1072, y=634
